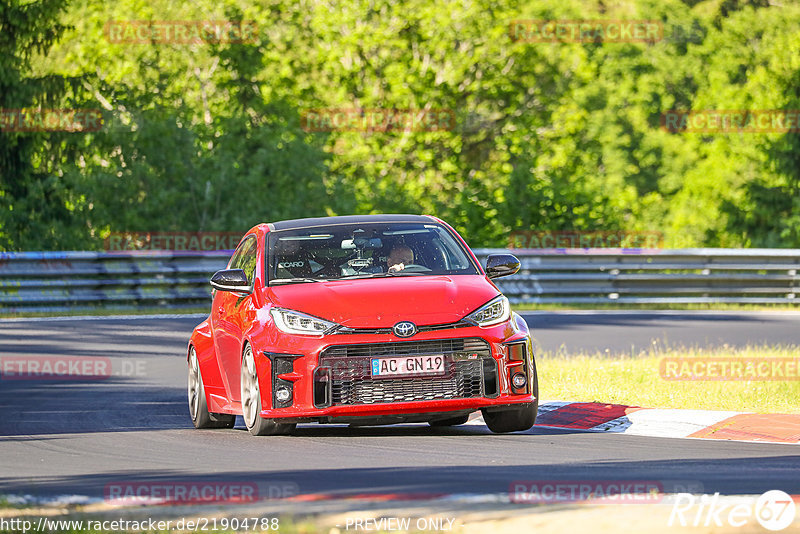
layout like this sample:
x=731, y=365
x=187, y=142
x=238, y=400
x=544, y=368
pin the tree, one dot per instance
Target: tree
x=35, y=208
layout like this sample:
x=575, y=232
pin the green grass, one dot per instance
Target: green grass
x=634, y=379
x=5, y=503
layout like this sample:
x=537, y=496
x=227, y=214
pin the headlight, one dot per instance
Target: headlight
x=293, y=322
x=495, y=311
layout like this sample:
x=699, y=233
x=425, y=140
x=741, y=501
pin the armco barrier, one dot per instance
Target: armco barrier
x=651, y=276
x=66, y=281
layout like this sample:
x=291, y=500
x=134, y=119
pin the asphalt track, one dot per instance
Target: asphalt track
x=75, y=437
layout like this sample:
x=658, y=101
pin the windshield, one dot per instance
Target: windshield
x=369, y=250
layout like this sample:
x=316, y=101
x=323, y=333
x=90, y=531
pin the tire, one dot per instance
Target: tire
x=517, y=419
x=452, y=421
x=198, y=407
x=251, y=402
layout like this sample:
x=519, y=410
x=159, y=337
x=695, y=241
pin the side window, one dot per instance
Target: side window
x=237, y=254
x=248, y=263
x=245, y=258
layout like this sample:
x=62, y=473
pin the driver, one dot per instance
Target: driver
x=399, y=257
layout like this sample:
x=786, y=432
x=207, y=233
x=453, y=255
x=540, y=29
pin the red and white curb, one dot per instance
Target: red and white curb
x=666, y=423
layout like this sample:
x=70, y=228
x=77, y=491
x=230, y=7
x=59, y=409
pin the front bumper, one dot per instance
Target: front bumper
x=328, y=378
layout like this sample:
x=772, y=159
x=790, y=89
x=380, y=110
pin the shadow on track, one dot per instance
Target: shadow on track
x=728, y=476
x=37, y=408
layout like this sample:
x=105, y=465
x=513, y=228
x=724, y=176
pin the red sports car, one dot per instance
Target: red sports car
x=365, y=320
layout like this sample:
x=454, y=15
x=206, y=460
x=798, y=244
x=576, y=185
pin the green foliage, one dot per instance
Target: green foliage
x=547, y=136
x=35, y=207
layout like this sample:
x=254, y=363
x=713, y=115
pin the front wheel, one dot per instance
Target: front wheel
x=514, y=420
x=251, y=401
x=198, y=407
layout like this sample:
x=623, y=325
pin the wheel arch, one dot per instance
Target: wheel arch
x=263, y=373
x=207, y=360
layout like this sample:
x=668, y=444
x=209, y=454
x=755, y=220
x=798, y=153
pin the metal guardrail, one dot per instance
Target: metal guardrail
x=72, y=281
x=654, y=276
x=75, y=281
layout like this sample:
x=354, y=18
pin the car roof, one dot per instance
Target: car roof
x=349, y=219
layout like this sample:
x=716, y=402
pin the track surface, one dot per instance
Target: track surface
x=75, y=437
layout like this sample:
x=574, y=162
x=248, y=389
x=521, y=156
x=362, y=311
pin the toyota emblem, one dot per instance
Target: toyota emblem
x=404, y=329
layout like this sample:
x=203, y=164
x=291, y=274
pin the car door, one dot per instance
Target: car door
x=229, y=325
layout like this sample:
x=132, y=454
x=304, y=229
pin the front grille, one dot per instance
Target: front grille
x=344, y=373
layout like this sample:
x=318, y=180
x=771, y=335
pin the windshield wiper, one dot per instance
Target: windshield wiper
x=282, y=281
x=377, y=275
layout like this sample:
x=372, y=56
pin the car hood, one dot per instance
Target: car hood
x=382, y=302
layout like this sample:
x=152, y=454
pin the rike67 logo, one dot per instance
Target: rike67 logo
x=774, y=510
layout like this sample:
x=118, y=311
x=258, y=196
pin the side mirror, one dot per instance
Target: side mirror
x=230, y=280
x=498, y=265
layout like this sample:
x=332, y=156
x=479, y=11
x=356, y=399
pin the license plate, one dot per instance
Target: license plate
x=408, y=366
